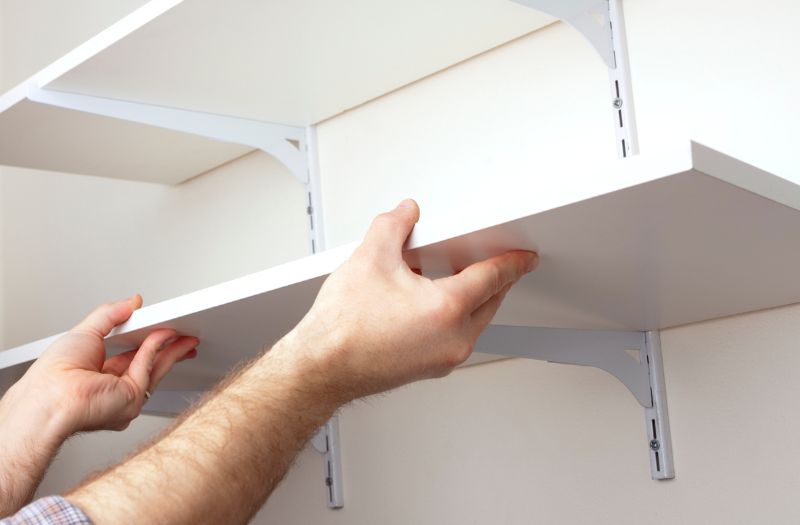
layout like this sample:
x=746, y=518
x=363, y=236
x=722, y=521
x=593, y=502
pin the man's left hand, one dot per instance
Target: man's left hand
x=86, y=390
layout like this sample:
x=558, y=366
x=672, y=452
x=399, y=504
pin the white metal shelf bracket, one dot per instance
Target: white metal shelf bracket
x=602, y=23
x=313, y=191
x=326, y=442
x=285, y=143
x=632, y=357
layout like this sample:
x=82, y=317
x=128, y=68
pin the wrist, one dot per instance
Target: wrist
x=309, y=376
x=33, y=419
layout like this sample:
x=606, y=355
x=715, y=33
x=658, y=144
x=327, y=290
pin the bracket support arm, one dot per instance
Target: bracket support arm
x=285, y=143
x=633, y=357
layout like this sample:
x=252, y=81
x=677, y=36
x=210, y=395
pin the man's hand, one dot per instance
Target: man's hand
x=376, y=324
x=72, y=387
x=88, y=391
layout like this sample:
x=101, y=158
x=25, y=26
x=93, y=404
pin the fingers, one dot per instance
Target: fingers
x=118, y=364
x=104, y=318
x=485, y=312
x=479, y=282
x=143, y=362
x=390, y=230
x=182, y=348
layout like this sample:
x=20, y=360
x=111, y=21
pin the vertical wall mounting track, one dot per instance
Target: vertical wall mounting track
x=313, y=192
x=602, y=23
x=326, y=440
x=621, y=88
x=632, y=357
x=657, y=415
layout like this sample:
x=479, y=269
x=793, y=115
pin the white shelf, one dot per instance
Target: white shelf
x=291, y=63
x=655, y=242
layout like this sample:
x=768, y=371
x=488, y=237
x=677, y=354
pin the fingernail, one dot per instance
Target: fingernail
x=406, y=203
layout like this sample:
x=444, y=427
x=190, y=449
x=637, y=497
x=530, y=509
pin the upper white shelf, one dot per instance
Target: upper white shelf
x=656, y=241
x=290, y=63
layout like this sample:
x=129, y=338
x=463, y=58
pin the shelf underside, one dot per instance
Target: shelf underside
x=297, y=62
x=43, y=137
x=685, y=247
x=294, y=63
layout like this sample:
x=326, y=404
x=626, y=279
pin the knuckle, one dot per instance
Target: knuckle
x=104, y=308
x=385, y=219
x=363, y=263
x=495, y=278
x=446, y=308
x=105, y=311
x=455, y=357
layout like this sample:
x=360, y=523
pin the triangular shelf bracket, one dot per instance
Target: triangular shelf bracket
x=286, y=143
x=602, y=23
x=633, y=357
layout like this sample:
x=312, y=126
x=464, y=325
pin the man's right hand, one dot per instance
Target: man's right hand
x=376, y=324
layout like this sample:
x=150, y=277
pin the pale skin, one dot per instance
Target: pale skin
x=73, y=388
x=375, y=325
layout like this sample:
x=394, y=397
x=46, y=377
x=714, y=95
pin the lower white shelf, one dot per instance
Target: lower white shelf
x=682, y=237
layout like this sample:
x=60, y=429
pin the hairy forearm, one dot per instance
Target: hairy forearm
x=32, y=435
x=236, y=447
x=375, y=325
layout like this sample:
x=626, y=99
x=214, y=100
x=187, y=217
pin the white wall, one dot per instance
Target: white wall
x=75, y=242
x=487, y=130
x=507, y=442
x=3, y=38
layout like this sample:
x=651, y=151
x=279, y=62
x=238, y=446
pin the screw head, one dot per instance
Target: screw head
x=617, y=103
x=654, y=444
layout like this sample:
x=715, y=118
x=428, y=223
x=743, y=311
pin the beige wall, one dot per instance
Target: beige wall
x=507, y=442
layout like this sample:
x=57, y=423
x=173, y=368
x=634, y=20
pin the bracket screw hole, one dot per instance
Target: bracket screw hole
x=654, y=444
x=617, y=103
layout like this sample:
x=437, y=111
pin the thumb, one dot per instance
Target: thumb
x=104, y=318
x=389, y=231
